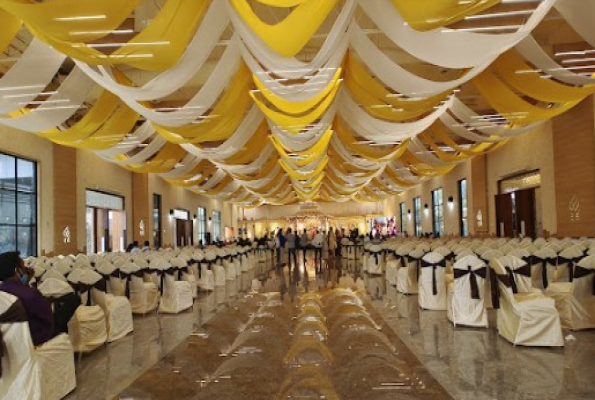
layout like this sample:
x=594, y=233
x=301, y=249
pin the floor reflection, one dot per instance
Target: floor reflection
x=302, y=335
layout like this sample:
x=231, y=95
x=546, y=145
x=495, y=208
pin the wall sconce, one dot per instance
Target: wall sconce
x=451, y=199
x=409, y=211
x=171, y=211
x=194, y=216
x=209, y=219
x=426, y=206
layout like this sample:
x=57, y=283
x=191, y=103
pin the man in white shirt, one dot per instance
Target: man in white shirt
x=318, y=241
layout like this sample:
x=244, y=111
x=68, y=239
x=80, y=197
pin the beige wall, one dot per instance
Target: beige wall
x=176, y=197
x=30, y=146
x=95, y=173
x=531, y=151
x=449, y=185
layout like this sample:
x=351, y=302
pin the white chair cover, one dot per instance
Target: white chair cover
x=575, y=300
x=466, y=295
x=432, y=284
x=20, y=378
x=375, y=261
x=392, y=270
x=87, y=328
x=176, y=295
x=118, y=314
x=143, y=296
x=407, y=279
x=187, y=274
x=526, y=319
x=543, y=258
x=55, y=359
x=520, y=273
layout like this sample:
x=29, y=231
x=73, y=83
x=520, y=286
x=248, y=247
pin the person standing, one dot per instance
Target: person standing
x=304, y=244
x=332, y=242
x=279, y=244
x=290, y=242
x=318, y=242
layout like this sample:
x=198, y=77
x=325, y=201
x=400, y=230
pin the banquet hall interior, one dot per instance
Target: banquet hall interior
x=317, y=199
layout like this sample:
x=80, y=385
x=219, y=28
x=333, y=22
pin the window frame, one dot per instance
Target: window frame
x=438, y=212
x=32, y=227
x=463, y=208
x=417, y=221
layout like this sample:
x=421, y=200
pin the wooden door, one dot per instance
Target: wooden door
x=525, y=212
x=180, y=232
x=504, y=215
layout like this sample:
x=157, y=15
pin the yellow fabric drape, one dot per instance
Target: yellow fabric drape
x=298, y=107
x=10, y=27
x=296, y=123
x=306, y=156
x=372, y=153
x=158, y=47
x=263, y=173
x=100, y=112
x=164, y=161
x=510, y=105
x=251, y=150
x=379, y=101
x=531, y=84
x=227, y=115
x=90, y=19
x=304, y=174
x=289, y=36
x=424, y=15
x=420, y=169
x=282, y=3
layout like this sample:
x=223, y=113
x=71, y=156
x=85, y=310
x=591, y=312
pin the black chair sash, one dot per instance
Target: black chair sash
x=162, y=273
x=375, y=254
x=459, y=273
x=14, y=314
x=494, y=278
x=543, y=262
x=580, y=272
x=442, y=264
x=82, y=288
x=127, y=276
x=570, y=262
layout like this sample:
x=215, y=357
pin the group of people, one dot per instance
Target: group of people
x=323, y=243
x=134, y=247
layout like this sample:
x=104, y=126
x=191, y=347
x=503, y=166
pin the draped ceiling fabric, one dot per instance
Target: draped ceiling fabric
x=278, y=101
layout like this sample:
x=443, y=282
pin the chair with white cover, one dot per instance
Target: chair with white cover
x=118, y=313
x=112, y=278
x=143, y=296
x=206, y=277
x=55, y=359
x=525, y=319
x=375, y=263
x=407, y=275
x=88, y=327
x=567, y=259
x=466, y=295
x=216, y=266
x=543, y=266
x=392, y=268
x=519, y=273
x=52, y=273
x=575, y=300
x=432, y=283
x=176, y=296
x=19, y=376
x=227, y=262
x=184, y=273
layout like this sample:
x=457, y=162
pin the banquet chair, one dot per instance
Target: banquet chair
x=407, y=275
x=176, y=296
x=575, y=300
x=466, y=295
x=184, y=273
x=525, y=319
x=375, y=263
x=55, y=360
x=543, y=266
x=143, y=296
x=19, y=379
x=432, y=283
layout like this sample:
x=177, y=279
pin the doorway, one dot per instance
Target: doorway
x=517, y=214
x=184, y=233
x=105, y=222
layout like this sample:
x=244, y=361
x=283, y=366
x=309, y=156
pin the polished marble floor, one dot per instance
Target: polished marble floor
x=240, y=344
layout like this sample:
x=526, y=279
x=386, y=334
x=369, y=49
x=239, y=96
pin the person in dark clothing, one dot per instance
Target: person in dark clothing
x=15, y=280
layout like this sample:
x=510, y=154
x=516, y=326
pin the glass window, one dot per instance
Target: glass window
x=202, y=224
x=157, y=221
x=438, y=212
x=217, y=225
x=18, y=205
x=417, y=216
x=464, y=222
x=403, y=216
